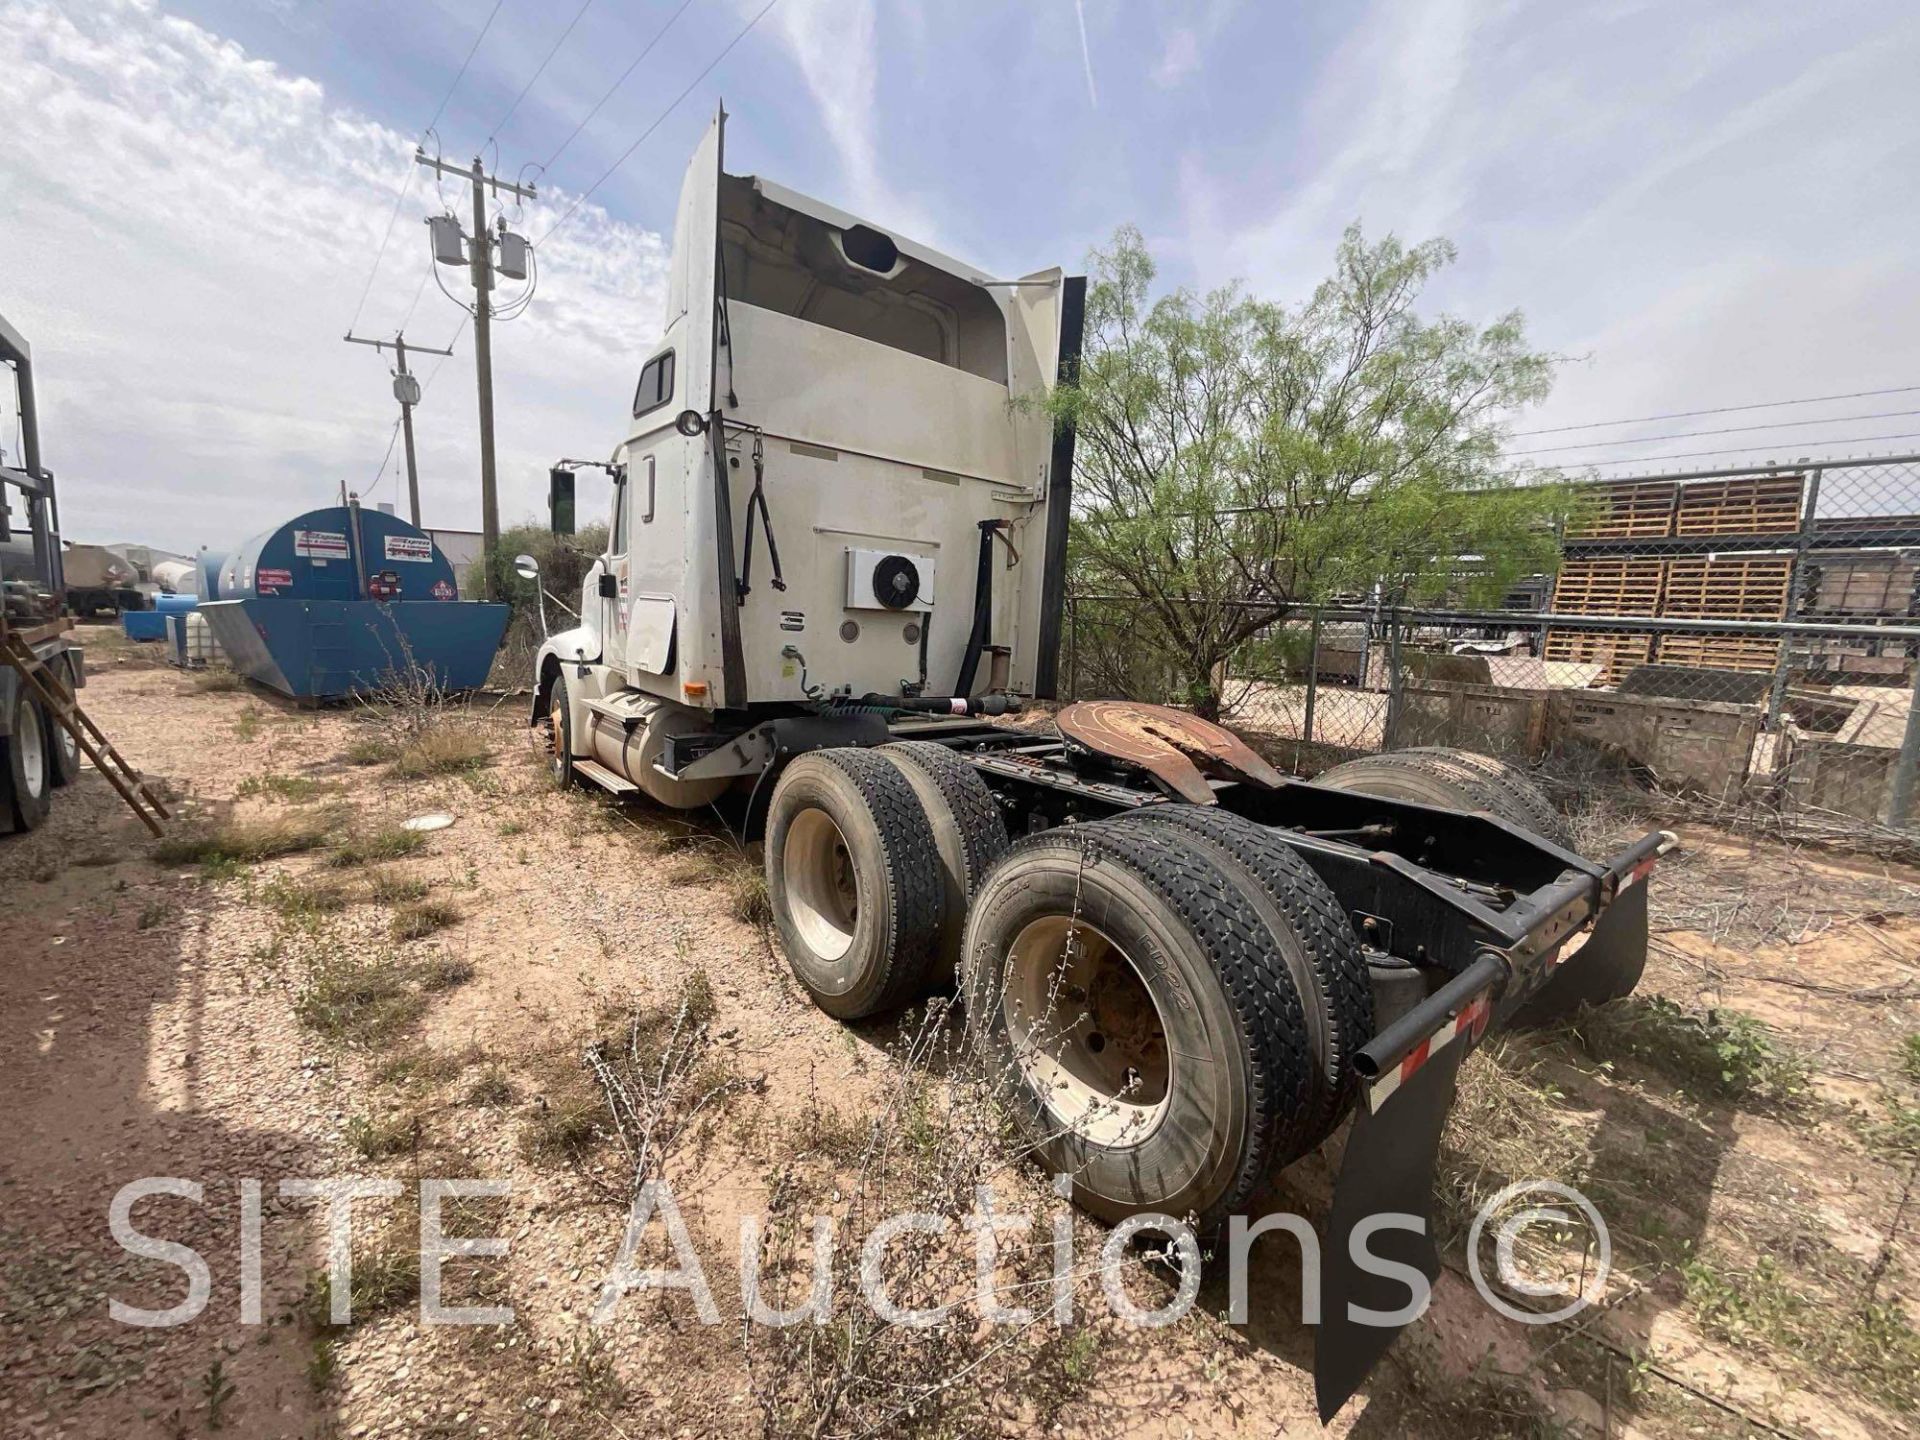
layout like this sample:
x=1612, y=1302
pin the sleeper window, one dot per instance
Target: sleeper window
x=656, y=384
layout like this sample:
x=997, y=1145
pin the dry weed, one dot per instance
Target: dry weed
x=445, y=749
x=242, y=842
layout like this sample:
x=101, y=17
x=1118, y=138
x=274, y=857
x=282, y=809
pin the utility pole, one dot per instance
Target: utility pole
x=480, y=259
x=406, y=390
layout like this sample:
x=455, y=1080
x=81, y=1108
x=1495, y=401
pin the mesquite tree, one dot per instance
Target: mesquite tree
x=1238, y=458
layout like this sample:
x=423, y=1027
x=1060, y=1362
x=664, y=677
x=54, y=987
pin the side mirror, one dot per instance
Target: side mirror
x=559, y=501
x=609, y=587
x=690, y=423
x=526, y=567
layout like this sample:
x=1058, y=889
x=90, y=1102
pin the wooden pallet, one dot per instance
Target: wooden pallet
x=1608, y=585
x=1751, y=505
x=1628, y=510
x=1614, y=652
x=1727, y=587
x=1721, y=652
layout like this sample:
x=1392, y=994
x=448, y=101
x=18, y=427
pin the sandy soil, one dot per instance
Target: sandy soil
x=152, y=1027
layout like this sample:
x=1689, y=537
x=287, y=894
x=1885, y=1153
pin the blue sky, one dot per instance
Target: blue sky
x=1701, y=204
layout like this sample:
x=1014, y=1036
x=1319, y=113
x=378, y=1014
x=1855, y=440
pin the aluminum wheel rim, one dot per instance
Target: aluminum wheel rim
x=32, y=741
x=823, y=897
x=1086, y=1031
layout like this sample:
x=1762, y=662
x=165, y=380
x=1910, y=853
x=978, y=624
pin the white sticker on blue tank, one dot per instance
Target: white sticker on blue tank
x=320, y=544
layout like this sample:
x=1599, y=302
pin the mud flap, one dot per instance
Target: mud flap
x=1607, y=964
x=1388, y=1170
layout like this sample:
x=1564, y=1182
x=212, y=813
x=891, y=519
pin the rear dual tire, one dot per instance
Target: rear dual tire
x=1149, y=992
x=873, y=857
x=1458, y=780
x=62, y=747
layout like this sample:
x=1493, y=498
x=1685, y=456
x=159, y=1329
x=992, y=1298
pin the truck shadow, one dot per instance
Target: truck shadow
x=126, y=1052
x=1650, y=1168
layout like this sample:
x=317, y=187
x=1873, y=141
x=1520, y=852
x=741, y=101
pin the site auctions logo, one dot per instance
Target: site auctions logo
x=1505, y=1213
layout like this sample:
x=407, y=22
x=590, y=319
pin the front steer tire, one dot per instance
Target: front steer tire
x=853, y=874
x=1124, y=989
x=560, y=736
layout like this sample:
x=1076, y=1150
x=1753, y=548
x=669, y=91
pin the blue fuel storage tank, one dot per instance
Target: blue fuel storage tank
x=344, y=552
x=347, y=600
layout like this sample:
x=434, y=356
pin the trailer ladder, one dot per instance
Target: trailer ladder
x=16, y=650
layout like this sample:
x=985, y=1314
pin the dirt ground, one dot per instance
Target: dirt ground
x=465, y=1009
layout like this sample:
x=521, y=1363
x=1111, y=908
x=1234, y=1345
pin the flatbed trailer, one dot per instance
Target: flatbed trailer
x=37, y=753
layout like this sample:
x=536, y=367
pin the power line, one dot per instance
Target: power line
x=406, y=183
x=1703, y=434
x=419, y=290
x=384, y=460
x=434, y=374
x=1744, y=449
x=1721, y=410
x=501, y=123
x=399, y=199
x=472, y=50
x=660, y=119
x=658, y=36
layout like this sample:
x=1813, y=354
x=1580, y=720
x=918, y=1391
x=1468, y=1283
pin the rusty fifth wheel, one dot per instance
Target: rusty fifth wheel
x=1177, y=749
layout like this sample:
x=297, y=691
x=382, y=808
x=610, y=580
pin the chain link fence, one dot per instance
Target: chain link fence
x=1740, y=645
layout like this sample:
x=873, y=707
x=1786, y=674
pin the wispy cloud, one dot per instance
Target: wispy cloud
x=1646, y=182
x=1086, y=52
x=1180, y=58
x=187, y=227
x=836, y=45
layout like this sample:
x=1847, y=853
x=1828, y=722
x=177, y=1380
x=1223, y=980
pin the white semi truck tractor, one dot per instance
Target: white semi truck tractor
x=837, y=552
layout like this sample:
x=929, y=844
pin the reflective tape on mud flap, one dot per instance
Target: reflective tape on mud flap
x=1471, y=1022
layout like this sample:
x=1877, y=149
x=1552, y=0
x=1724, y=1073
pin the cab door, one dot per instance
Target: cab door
x=614, y=583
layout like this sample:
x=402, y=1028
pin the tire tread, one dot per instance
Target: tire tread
x=1206, y=900
x=913, y=875
x=1343, y=991
x=983, y=831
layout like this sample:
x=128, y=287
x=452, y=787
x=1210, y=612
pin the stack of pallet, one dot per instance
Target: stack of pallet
x=1692, y=587
x=1752, y=505
x=1605, y=585
x=1725, y=588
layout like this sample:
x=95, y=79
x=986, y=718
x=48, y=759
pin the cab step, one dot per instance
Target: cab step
x=603, y=777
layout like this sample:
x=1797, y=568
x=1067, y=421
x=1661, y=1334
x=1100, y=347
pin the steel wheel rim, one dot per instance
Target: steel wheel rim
x=823, y=897
x=1086, y=1031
